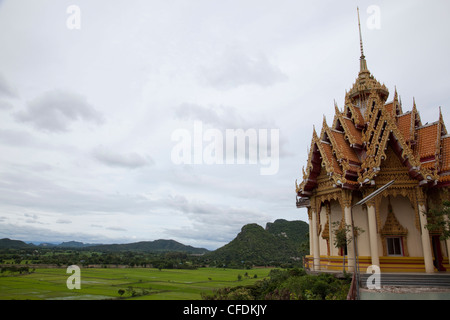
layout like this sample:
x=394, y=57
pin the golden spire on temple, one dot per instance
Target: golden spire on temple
x=363, y=63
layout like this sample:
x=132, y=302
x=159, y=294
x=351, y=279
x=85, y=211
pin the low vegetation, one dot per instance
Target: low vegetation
x=291, y=284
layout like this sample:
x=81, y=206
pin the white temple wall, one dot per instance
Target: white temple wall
x=361, y=220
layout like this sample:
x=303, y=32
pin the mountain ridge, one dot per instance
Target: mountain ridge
x=159, y=245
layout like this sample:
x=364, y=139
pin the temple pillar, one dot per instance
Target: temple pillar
x=426, y=244
x=311, y=242
x=373, y=234
x=347, y=205
x=316, y=249
x=351, y=239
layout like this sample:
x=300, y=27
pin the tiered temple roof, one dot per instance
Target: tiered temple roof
x=352, y=149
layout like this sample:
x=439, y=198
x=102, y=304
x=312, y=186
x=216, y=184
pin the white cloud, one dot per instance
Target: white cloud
x=234, y=68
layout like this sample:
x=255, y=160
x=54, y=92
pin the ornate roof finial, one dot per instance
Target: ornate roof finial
x=360, y=36
x=441, y=123
x=363, y=63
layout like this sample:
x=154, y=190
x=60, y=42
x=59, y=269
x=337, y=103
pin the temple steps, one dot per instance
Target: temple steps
x=410, y=279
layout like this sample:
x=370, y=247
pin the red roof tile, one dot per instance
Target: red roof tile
x=347, y=152
x=426, y=140
x=404, y=125
x=353, y=131
x=445, y=154
x=331, y=158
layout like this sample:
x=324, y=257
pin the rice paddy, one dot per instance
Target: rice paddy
x=124, y=283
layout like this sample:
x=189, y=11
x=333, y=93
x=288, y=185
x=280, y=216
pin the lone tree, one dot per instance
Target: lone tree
x=438, y=220
x=341, y=239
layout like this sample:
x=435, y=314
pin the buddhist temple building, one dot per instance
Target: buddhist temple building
x=374, y=140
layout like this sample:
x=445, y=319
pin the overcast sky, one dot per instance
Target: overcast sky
x=88, y=114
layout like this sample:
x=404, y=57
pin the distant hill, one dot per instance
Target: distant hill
x=279, y=242
x=75, y=244
x=6, y=243
x=150, y=246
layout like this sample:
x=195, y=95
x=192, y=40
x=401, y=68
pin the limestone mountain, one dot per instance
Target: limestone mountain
x=279, y=242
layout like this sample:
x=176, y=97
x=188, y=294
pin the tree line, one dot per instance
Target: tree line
x=86, y=258
x=161, y=260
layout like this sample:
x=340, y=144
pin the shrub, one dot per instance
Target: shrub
x=292, y=284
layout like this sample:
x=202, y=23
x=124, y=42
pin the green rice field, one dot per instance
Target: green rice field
x=125, y=283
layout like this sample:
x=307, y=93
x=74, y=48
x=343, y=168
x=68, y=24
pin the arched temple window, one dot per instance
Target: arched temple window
x=393, y=235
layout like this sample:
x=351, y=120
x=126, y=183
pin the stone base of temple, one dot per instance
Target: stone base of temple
x=387, y=264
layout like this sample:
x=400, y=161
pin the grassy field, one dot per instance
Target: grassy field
x=137, y=283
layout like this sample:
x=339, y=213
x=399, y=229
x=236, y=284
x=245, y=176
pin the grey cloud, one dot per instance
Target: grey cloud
x=6, y=89
x=235, y=68
x=18, y=138
x=32, y=218
x=55, y=111
x=30, y=188
x=5, y=105
x=130, y=160
x=116, y=228
x=29, y=215
x=33, y=221
x=64, y=221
